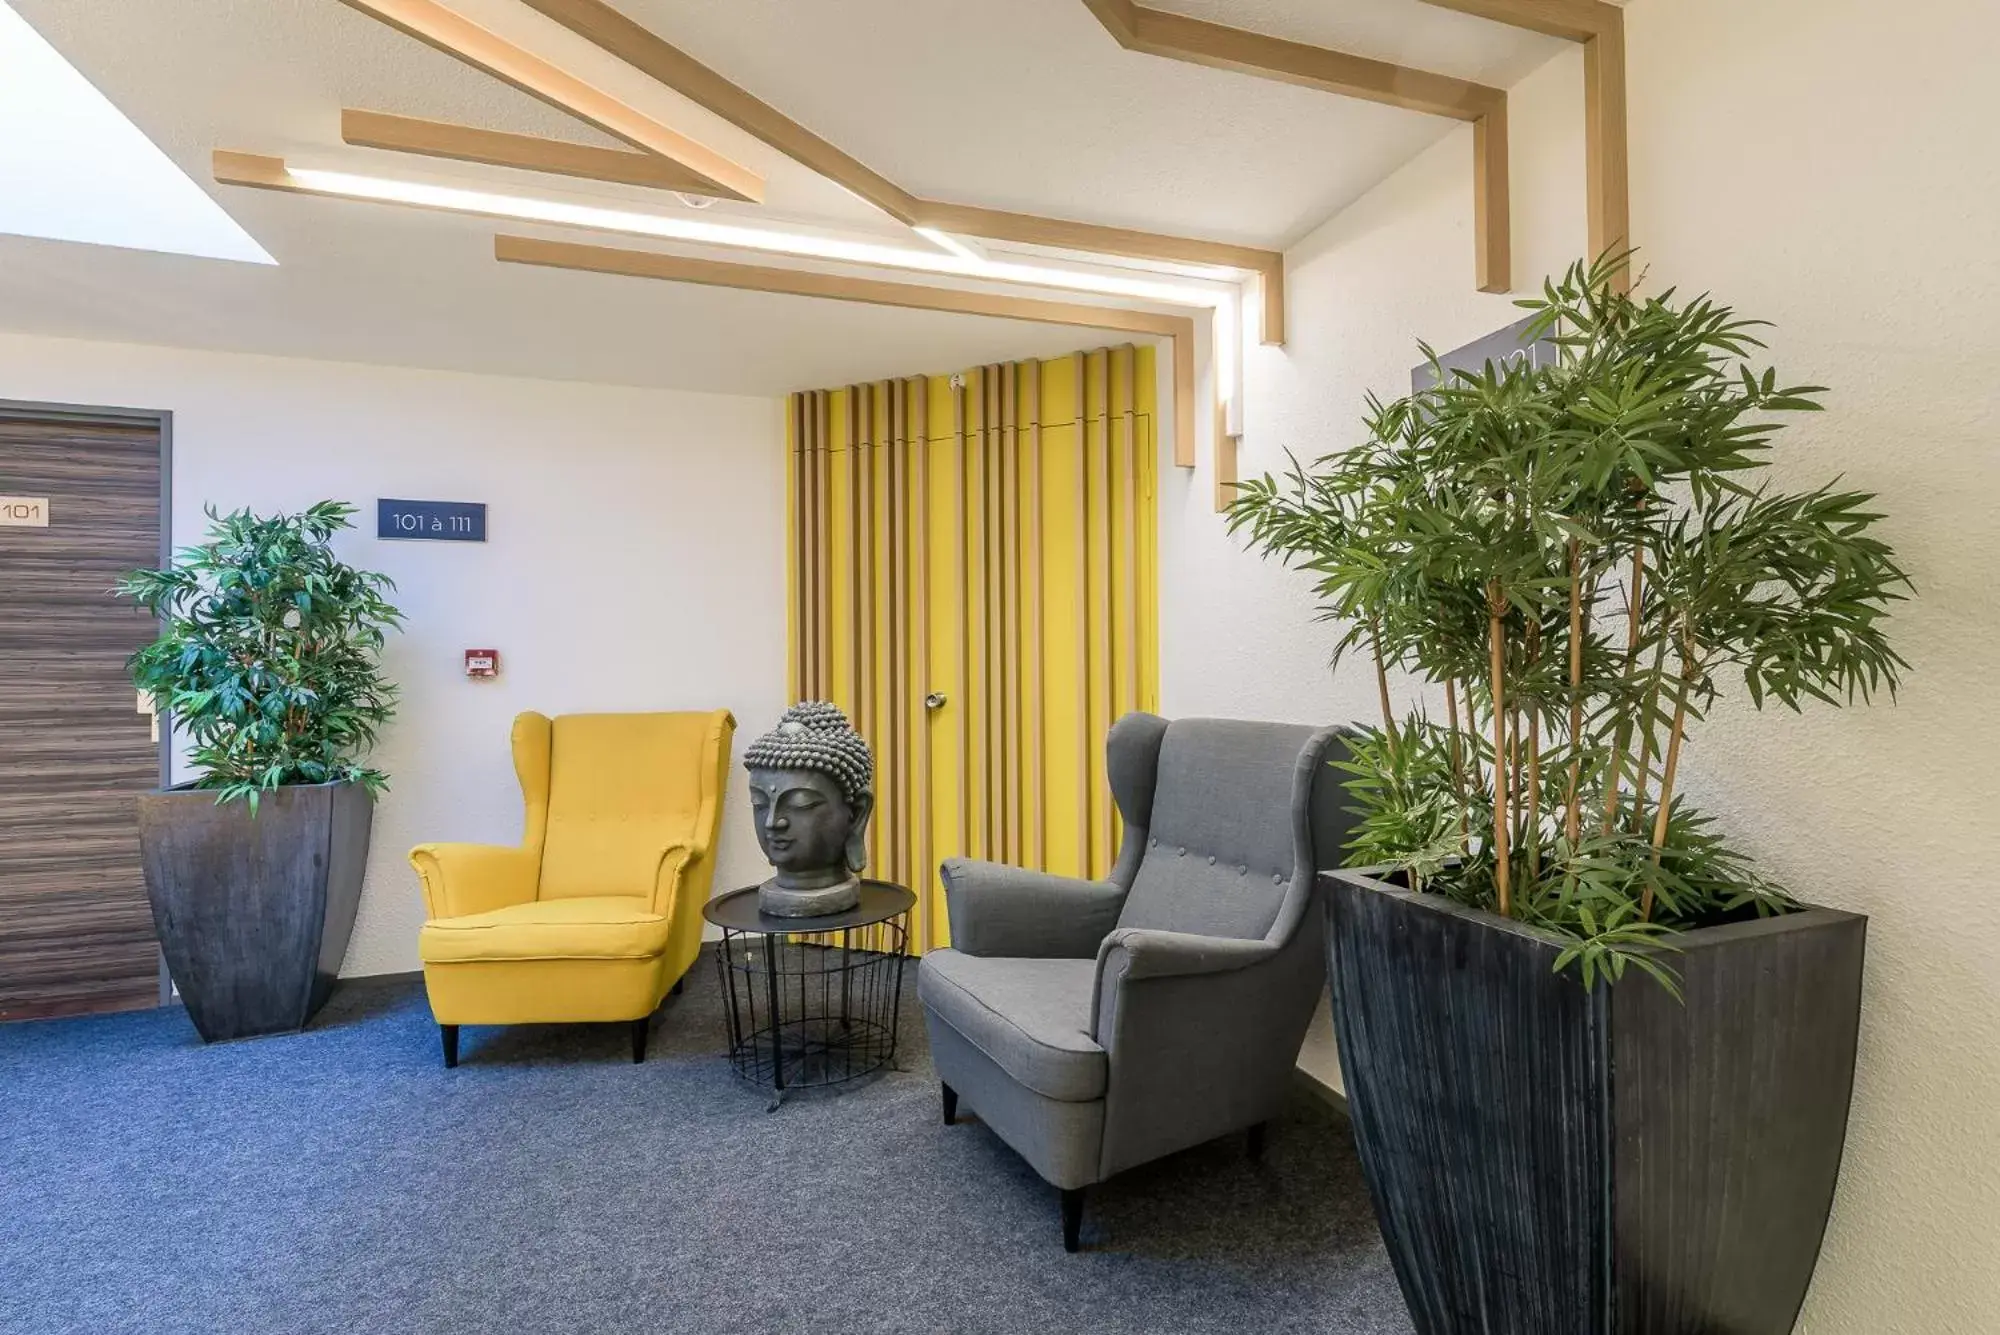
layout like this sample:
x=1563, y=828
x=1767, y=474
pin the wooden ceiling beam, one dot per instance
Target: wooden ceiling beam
x=641, y=48
x=1093, y=238
x=1177, y=37
x=1179, y=329
x=1573, y=20
x=457, y=36
x=1600, y=28
x=527, y=152
x=653, y=55
x=1156, y=32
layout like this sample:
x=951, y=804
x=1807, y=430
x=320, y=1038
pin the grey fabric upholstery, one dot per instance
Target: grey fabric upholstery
x=1207, y=869
x=1032, y=1017
x=1133, y=765
x=1098, y=1025
x=1059, y=1139
x=998, y=910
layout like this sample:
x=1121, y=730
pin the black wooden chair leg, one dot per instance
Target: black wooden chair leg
x=680, y=985
x=639, y=1029
x=950, y=1103
x=1072, y=1213
x=449, y=1034
x=1256, y=1139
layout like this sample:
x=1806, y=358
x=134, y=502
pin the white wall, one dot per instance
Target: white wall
x=634, y=558
x=1828, y=165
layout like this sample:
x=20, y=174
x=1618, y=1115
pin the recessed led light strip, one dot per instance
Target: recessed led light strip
x=953, y=259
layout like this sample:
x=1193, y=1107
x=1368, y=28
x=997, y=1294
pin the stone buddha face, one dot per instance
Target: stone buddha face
x=811, y=792
x=807, y=827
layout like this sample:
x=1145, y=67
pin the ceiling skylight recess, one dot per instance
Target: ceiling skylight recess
x=74, y=168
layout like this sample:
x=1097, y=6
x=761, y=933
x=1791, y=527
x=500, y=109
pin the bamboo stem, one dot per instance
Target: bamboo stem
x=1668, y=770
x=1457, y=763
x=1502, y=810
x=1573, y=820
x=1646, y=742
x=1472, y=773
x=1516, y=791
x=1382, y=681
x=1533, y=818
x=1624, y=735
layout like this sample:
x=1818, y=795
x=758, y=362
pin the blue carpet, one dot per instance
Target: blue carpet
x=341, y=1180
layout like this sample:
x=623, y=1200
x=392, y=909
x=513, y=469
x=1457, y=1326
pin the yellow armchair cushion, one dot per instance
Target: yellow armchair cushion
x=602, y=927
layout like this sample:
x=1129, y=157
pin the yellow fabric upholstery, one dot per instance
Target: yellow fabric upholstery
x=611, y=927
x=597, y=913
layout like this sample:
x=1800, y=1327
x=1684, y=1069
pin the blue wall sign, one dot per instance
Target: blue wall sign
x=431, y=521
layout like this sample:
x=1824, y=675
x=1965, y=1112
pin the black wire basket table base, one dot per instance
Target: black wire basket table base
x=812, y=1002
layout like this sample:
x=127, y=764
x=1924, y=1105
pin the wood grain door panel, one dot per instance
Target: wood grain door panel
x=76, y=933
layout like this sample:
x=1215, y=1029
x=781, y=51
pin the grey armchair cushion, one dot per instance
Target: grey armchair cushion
x=1031, y=1017
x=1220, y=848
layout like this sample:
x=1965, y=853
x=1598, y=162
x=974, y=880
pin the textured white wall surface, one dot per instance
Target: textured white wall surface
x=1828, y=165
x=634, y=558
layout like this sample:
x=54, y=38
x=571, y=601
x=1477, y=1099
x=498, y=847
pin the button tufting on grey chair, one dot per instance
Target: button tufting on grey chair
x=1097, y=1025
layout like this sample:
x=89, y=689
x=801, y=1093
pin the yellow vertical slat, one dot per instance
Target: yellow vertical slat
x=816, y=459
x=1126, y=471
x=851, y=569
x=920, y=639
x=1037, y=799
x=892, y=647
x=989, y=682
x=1103, y=670
x=795, y=551
x=859, y=562
x=962, y=702
x=882, y=699
x=808, y=554
x=1010, y=618
x=898, y=632
x=1088, y=805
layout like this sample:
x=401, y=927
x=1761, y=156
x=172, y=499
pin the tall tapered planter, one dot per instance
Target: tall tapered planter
x=1550, y=1161
x=254, y=913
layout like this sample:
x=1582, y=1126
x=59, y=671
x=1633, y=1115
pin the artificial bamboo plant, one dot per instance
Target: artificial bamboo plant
x=268, y=655
x=1574, y=555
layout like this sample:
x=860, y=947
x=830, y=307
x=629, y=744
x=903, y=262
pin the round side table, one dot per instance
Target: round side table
x=812, y=1001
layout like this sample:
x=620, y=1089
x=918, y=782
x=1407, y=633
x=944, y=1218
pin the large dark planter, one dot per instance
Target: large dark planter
x=1550, y=1161
x=254, y=913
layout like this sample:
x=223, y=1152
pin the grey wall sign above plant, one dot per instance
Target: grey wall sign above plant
x=431, y=521
x=1502, y=345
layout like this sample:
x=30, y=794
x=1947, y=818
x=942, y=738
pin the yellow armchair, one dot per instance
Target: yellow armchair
x=596, y=914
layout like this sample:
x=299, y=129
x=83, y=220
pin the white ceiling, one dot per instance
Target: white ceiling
x=1018, y=104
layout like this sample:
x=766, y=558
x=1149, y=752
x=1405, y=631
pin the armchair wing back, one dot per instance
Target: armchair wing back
x=621, y=789
x=1229, y=823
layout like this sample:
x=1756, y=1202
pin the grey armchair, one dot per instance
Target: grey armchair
x=1097, y=1025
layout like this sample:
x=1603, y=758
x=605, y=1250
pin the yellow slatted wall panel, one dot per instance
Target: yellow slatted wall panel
x=990, y=542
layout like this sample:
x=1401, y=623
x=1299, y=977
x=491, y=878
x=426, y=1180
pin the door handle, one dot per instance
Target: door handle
x=935, y=700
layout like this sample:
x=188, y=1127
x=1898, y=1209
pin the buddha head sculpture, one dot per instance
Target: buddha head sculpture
x=811, y=794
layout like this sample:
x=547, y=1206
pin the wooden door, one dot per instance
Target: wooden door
x=75, y=931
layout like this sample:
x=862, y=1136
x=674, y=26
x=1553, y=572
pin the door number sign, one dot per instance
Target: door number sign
x=24, y=512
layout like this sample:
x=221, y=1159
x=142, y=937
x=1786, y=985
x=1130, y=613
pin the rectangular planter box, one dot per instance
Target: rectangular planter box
x=1550, y=1161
